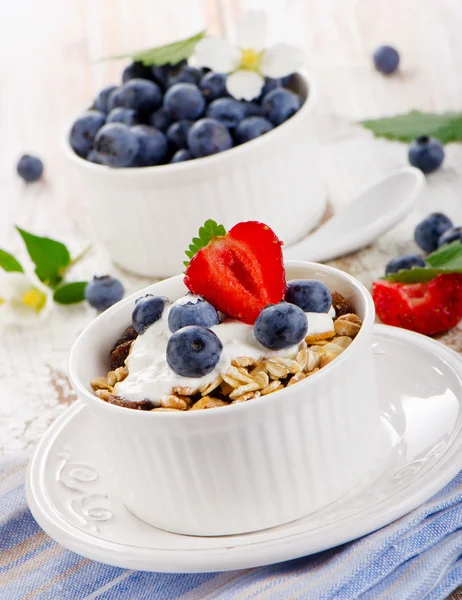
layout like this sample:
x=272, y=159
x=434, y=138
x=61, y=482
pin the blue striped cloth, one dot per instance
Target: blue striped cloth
x=418, y=557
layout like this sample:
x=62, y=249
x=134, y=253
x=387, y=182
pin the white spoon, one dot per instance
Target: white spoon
x=374, y=212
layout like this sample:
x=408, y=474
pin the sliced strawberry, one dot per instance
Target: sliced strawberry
x=427, y=308
x=241, y=272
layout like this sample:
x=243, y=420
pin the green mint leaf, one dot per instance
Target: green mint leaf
x=446, y=127
x=170, y=54
x=418, y=274
x=49, y=256
x=70, y=293
x=9, y=263
x=448, y=257
x=207, y=232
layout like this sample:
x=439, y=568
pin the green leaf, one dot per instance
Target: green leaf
x=418, y=274
x=9, y=263
x=207, y=232
x=445, y=260
x=49, y=256
x=447, y=257
x=446, y=127
x=170, y=54
x=70, y=293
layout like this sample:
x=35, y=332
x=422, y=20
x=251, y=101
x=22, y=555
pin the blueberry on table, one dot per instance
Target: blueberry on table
x=386, y=59
x=427, y=154
x=429, y=231
x=127, y=116
x=29, y=168
x=251, y=128
x=153, y=146
x=213, y=86
x=228, y=111
x=147, y=311
x=310, y=295
x=184, y=101
x=404, y=262
x=160, y=119
x=84, y=130
x=177, y=134
x=140, y=94
x=117, y=145
x=193, y=351
x=183, y=74
x=192, y=311
x=280, y=326
x=450, y=235
x=208, y=136
x=136, y=70
x=280, y=104
x=103, y=292
x=181, y=156
x=101, y=102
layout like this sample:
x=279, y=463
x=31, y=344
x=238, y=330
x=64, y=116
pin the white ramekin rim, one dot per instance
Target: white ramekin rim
x=366, y=330
x=195, y=165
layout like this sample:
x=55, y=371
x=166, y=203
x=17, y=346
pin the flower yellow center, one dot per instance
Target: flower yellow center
x=2, y=301
x=250, y=59
x=34, y=299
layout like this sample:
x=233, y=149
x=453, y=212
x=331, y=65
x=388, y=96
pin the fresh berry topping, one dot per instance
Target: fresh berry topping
x=251, y=128
x=153, y=146
x=309, y=294
x=252, y=109
x=213, y=86
x=140, y=94
x=228, y=111
x=184, y=101
x=181, y=156
x=241, y=272
x=136, y=70
x=281, y=326
x=160, y=119
x=193, y=351
x=183, y=73
x=450, y=235
x=117, y=145
x=177, y=134
x=426, y=154
x=102, y=98
x=386, y=59
x=279, y=105
x=404, y=262
x=147, y=311
x=427, y=308
x=127, y=116
x=30, y=168
x=84, y=130
x=428, y=232
x=103, y=292
x=192, y=310
x=94, y=157
x=208, y=136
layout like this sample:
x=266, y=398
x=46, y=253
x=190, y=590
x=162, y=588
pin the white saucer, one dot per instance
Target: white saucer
x=73, y=494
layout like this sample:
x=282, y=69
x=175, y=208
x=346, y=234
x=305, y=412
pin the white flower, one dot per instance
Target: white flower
x=248, y=62
x=23, y=298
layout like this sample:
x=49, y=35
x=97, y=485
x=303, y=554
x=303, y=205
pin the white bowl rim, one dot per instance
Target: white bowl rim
x=368, y=322
x=196, y=163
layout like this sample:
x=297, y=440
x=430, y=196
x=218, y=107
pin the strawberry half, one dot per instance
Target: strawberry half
x=241, y=272
x=427, y=308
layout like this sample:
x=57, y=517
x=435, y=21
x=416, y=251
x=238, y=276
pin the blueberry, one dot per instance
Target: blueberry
x=426, y=154
x=177, y=134
x=270, y=85
x=94, y=157
x=184, y=101
x=140, y=94
x=30, y=168
x=192, y=310
x=183, y=74
x=103, y=292
x=153, y=146
x=160, y=74
x=181, y=156
x=287, y=80
x=228, y=111
x=280, y=104
x=127, y=116
x=252, y=127
x=102, y=98
x=147, y=311
x=310, y=295
x=428, y=232
x=208, y=136
x=280, y=326
x=450, y=235
x=114, y=99
x=252, y=109
x=404, y=262
x=136, y=70
x=117, y=145
x=84, y=130
x=160, y=119
x=386, y=59
x=213, y=86
x=193, y=351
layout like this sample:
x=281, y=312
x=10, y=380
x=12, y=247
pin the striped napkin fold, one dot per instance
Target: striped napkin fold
x=419, y=557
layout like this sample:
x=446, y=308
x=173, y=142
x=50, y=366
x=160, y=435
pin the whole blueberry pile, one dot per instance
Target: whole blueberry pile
x=171, y=114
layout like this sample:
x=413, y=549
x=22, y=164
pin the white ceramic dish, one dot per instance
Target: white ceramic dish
x=73, y=492
x=145, y=216
x=249, y=466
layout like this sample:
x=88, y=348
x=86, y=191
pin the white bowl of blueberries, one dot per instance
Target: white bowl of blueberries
x=169, y=148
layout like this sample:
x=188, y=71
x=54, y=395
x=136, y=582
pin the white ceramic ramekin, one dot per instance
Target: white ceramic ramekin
x=248, y=466
x=145, y=216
